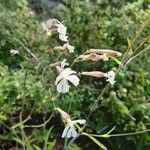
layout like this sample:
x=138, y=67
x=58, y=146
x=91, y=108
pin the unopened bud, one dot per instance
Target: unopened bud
x=97, y=74
x=64, y=115
x=51, y=23
x=55, y=64
x=105, y=51
x=92, y=56
x=59, y=69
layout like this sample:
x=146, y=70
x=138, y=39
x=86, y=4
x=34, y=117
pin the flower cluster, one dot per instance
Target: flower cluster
x=67, y=75
x=53, y=26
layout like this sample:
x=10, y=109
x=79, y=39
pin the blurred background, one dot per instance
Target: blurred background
x=90, y=24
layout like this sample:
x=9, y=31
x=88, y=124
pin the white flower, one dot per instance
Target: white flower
x=62, y=32
x=69, y=47
x=70, y=130
x=14, y=52
x=61, y=28
x=110, y=77
x=63, y=37
x=64, y=63
x=62, y=80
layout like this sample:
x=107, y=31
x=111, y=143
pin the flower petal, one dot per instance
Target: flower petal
x=63, y=37
x=111, y=77
x=64, y=63
x=66, y=72
x=73, y=131
x=63, y=86
x=73, y=79
x=65, y=131
x=69, y=132
x=112, y=81
x=60, y=77
x=80, y=121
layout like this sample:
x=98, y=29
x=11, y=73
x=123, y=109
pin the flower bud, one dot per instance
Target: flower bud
x=51, y=32
x=65, y=46
x=110, y=76
x=64, y=115
x=50, y=26
x=51, y=23
x=59, y=69
x=105, y=51
x=97, y=74
x=92, y=56
x=55, y=64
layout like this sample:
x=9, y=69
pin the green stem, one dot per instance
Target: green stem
x=130, y=133
x=118, y=135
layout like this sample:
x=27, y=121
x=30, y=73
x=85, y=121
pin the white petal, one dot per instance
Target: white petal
x=62, y=32
x=110, y=77
x=63, y=37
x=71, y=49
x=61, y=28
x=63, y=86
x=111, y=73
x=60, y=77
x=65, y=131
x=73, y=79
x=69, y=132
x=66, y=72
x=81, y=121
x=73, y=132
x=112, y=81
x=64, y=63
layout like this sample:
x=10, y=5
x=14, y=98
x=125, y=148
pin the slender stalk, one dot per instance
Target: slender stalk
x=130, y=133
x=118, y=135
x=22, y=131
x=40, y=125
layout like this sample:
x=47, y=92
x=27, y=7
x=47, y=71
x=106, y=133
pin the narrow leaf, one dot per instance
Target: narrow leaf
x=110, y=130
x=36, y=147
x=115, y=59
x=129, y=44
x=46, y=137
x=96, y=141
x=19, y=141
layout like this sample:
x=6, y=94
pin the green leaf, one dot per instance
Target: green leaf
x=47, y=136
x=96, y=141
x=19, y=141
x=36, y=147
x=111, y=130
x=129, y=44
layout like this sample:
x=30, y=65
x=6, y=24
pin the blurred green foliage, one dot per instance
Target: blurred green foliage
x=91, y=24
